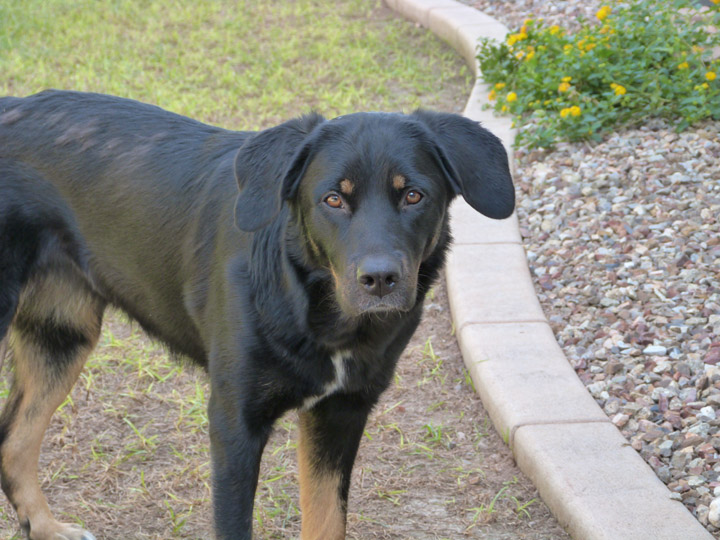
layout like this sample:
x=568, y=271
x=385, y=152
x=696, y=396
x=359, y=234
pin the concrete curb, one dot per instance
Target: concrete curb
x=593, y=482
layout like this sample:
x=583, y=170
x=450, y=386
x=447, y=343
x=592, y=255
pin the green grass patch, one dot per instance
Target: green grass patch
x=242, y=64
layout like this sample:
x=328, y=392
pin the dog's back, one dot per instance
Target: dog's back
x=142, y=169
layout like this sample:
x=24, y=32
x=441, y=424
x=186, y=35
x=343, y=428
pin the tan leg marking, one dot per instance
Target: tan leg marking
x=323, y=515
x=41, y=389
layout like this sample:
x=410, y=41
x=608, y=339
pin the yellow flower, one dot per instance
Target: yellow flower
x=564, y=87
x=555, y=29
x=519, y=55
x=492, y=95
x=567, y=48
x=514, y=38
x=603, y=12
x=566, y=79
x=512, y=96
x=683, y=65
x=703, y=86
x=499, y=86
x=619, y=90
x=710, y=75
x=504, y=108
x=530, y=55
x=590, y=46
x=571, y=111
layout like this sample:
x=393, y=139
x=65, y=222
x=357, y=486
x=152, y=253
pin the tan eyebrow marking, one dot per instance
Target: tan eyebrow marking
x=346, y=186
x=398, y=181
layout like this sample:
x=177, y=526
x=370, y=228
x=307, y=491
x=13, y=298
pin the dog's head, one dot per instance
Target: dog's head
x=370, y=193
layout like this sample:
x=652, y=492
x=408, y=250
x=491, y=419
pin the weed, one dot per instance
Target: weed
x=506, y=436
x=469, y=380
x=484, y=514
x=147, y=443
x=392, y=495
x=177, y=520
x=521, y=507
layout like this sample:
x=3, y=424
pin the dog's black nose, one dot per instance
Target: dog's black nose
x=378, y=275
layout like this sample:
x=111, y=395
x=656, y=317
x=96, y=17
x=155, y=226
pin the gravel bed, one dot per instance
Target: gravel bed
x=623, y=242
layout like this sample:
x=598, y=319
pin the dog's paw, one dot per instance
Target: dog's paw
x=63, y=532
x=71, y=532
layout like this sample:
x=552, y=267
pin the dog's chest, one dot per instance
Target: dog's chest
x=336, y=384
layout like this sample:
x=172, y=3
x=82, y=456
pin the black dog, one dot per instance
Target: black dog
x=299, y=291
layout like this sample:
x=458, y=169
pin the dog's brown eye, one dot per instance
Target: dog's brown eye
x=334, y=201
x=413, y=197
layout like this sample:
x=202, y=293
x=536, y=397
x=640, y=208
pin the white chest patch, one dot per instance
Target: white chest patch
x=337, y=384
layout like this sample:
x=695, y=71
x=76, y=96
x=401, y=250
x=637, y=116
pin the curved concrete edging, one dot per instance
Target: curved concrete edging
x=595, y=484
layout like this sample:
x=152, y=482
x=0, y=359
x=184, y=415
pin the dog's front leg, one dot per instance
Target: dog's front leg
x=236, y=444
x=330, y=434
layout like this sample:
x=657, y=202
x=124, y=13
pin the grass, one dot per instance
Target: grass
x=241, y=64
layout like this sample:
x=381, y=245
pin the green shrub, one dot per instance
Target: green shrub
x=637, y=59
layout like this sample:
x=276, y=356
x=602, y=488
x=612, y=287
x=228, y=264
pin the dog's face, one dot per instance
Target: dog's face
x=370, y=193
x=372, y=204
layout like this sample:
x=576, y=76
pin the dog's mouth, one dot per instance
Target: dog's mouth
x=384, y=307
x=357, y=303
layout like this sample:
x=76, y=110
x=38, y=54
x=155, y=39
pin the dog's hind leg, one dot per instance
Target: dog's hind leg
x=56, y=325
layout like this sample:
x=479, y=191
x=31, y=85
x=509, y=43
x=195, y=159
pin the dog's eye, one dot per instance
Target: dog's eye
x=413, y=197
x=334, y=201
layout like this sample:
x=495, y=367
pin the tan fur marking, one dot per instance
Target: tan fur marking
x=323, y=517
x=21, y=450
x=69, y=302
x=62, y=299
x=346, y=186
x=398, y=181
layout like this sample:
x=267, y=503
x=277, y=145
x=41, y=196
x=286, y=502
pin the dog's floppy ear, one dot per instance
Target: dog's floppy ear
x=474, y=161
x=264, y=166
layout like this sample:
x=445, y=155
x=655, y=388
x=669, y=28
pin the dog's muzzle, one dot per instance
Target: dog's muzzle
x=379, y=275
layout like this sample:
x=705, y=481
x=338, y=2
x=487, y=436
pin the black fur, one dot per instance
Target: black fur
x=259, y=286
